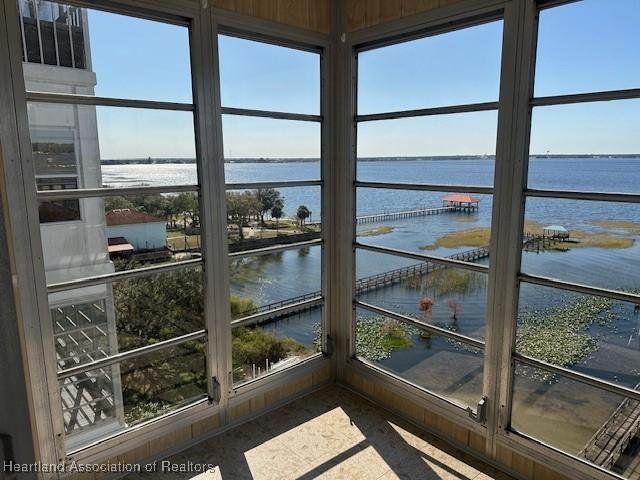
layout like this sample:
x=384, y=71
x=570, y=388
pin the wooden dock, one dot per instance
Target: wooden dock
x=421, y=212
x=394, y=276
x=610, y=441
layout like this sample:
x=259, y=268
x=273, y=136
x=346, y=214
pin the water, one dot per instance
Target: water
x=438, y=364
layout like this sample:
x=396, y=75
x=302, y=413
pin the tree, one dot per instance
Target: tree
x=454, y=305
x=302, y=214
x=240, y=207
x=116, y=203
x=186, y=204
x=268, y=197
x=277, y=212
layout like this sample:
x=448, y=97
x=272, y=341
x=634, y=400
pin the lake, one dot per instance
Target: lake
x=572, y=410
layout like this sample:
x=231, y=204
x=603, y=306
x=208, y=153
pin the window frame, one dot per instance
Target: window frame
x=203, y=25
x=431, y=26
x=230, y=25
x=510, y=187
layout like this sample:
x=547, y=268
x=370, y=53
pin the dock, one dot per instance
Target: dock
x=611, y=440
x=422, y=212
x=394, y=276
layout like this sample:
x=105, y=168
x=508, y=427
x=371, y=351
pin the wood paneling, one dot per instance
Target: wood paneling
x=307, y=14
x=445, y=428
x=236, y=413
x=367, y=13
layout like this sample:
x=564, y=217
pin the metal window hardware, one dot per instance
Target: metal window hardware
x=480, y=415
x=216, y=392
x=330, y=347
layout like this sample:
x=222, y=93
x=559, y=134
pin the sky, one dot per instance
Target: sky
x=591, y=45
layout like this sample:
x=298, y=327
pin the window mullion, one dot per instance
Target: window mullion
x=211, y=179
x=516, y=86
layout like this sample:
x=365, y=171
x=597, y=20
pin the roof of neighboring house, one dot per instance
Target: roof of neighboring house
x=119, y=245
x=128, y=216
x=457, y=197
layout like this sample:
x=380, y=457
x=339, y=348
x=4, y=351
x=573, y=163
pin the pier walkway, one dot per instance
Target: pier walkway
x=610, y=441
x=394, y=276
x=421, y=212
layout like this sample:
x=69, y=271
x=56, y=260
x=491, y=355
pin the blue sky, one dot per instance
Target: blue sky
x=585, y=46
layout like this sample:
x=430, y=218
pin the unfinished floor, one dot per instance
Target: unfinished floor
x=332, y=434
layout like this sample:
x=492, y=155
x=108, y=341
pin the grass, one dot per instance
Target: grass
x=374, y=232
x=446, y=281
x=479, y=237
x=178, y=242
x=471, y=237
x=600, y=240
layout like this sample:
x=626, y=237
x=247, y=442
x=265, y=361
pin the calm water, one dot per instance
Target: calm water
x=437, y=364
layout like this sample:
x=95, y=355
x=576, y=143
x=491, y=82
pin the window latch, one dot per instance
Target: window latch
x=330, y=346
x=216, y=392
x=480, y=414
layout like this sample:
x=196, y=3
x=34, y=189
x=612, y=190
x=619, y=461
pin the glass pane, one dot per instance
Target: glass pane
x=588, y=46
x=113, y=146
x=126, y=315
x=110, y=399
x=267, y=217
x=445, y=367
x=262, y=76
x=457, y=149
x=589, y=146
x=274, y=345
x=118, y=233
x=579, y=419
x=593, y=335
x=459, y=67
x=583, y=241
x=450, y=298
x=442, y=224
x=262, y=283
x=111, y=55
x=30, y=31
x=262, y=149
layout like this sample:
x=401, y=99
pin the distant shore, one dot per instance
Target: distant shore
x=160, y=161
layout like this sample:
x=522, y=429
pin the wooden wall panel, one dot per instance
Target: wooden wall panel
x=208, y=426
x=445, y=428
x=367, y=13
x=307, y=14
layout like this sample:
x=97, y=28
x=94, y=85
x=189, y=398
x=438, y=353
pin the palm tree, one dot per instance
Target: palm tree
x=276, y=212
x=302, y=214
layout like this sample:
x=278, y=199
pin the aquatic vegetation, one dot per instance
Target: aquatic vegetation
x=560, y=335
x=446, y=281
x=378, y=337
x=631, y=227
x=374, y=232
x=471, y=237
x=600, y=240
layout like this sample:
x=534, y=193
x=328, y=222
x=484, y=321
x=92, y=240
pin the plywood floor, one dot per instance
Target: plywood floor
x=331, y=434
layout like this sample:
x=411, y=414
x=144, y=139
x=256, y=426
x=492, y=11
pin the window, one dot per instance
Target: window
x=424, y=208
x=576, y=344
x=273, y=171
x=56, y=169
x=129, y=348
x=52, y=33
